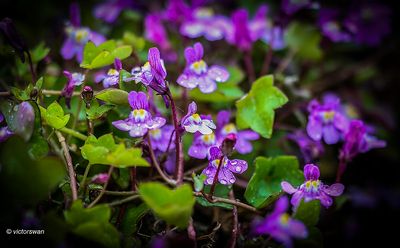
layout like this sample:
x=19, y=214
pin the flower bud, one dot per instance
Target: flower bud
x=228, y=144
x=100, y=178
x=87, y=95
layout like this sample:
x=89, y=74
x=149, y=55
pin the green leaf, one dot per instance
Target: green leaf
x=265, y=184
x=256, y=109
x=308, y=212
x=92, y=223
x=226, y=92
x=104, y=151
x=96, y=111
x=304, y=40
x=236, y=75
x=137, y=43
x=39, y=83
x=220, y=191
x=198, y=181
x=55, y=117
x=113, y=96
x=126, y=157
x=40, y=52
x=104, y=54
x=173, y=206
x=38, y=147
x=132, y=216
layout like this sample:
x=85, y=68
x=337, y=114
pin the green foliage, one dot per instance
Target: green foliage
x=92, y=223
x=54, y=115
x=96, y=111
x=104, y=54
x=173, y=206
x=39, y=52
x=136, y=42
x=113, y=96
x=308, y=212
x=104, y=150
x=304, y=40
x=256, y=109
x=132, y=216
x=226, y=92
x=265, y=184
x=220, y=191
x=198, y=181
x=25, y=94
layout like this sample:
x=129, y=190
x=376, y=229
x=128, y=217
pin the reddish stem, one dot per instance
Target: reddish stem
x=133, y=178
x=249, y=66
x=235, y=227
x=216, y=176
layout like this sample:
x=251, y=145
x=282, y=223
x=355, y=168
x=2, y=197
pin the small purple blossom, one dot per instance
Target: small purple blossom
x=109, y=10
x=204, y=22
x=73, y=79
x=198, y=74
x=310, y=149
x=229, y=167
x=225, y=127
x=177, y=11
x=112, y=76
x=202, y=143
x=140, y=120
x=369, y=23
x=193, y=122
x=5, y=132
x=331, y=25
x=326, y=120
x=78, y=36
x=274, y=37
x=312, y=188
x=358, y=140
x=290, y=7
x=280, y=225
x=160, y=138
x=100, y=178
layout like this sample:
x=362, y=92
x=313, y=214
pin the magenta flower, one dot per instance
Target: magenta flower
x=280, y=225
x=243, y=138
x=177, y=11
x=312, y=188
x=160, y=138
x=358, y=140
x=202, y=143
x=331, y=26
x=197, y=73
x=292, y=6
x=274, y=37
x=156, y=33
x=140, y=120
x=112, y=76
x=5, y=132
x=152, y=73
x=73, y=79
x=369, y=23
x=310, y=149
x=203, y=22
x=109, y=10
x=326, y=120
x=78, y=36
x=100, y=178
x=193, y=122
x=225, y=175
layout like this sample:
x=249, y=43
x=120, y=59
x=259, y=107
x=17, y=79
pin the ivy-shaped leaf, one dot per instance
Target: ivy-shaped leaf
x=265, y=184
x=104, y=54
x=54, y=115
x=132, y=216
x=96, y=111
x=125, y=157
x=220, y=191
x=308, y=212
x=113, y=96
x=175, y=206
x=256, y=109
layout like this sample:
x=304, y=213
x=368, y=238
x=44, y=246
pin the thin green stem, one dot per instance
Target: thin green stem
x=128, y=199
x=73, y=133
x=103, y=190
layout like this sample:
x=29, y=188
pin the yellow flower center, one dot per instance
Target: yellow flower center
x=139, y=114
x=196, y=117
x=284, y=219
x=81, y=35
x=328, y=115
x=155, y=133
x=199, y=66
x=208, y=138
x=229, y=128
x=112, y=72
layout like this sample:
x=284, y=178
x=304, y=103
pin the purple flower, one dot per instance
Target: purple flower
x=5, y=132
x=78, y=36
x=331, y=26
x=74, y=79
x=152, y=73
x=203, y=22
x=280, y=225
x=244, y=31
x=292, y=6
x=225, y=175
x=140, y=120
x=193, y=122
x=358, y=140
x=369, y=23
x=112, y=76
x=202, y=143
x=310, y=149
x=100, y=178
x=243, y=137
x=312, y=188
x=160, y=138
x=156, y=33
x=197, y=72
x=109, y=10
x=274, y=37
x=326, y=120
x=177, y=11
